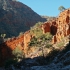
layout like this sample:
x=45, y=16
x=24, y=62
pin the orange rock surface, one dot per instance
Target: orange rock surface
x=27, y=38
x=46, y=27
x=7, y=47
x=60, y=27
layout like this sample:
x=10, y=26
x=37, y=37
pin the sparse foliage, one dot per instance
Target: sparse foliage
x=44, y=39
x=61, y=8
x=3, y=35
x=21, y=33
x=36, y=30
x=40, y=38
x=18, y=53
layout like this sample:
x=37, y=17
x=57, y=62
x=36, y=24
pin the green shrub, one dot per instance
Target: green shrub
x=18, y=53
x=33, y=42
x=36, y=30
x=48, y=45
x=21, y=33
x=60, y=44
x=44, y=39
x=40, y=39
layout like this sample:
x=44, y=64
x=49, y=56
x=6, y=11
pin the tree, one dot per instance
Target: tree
x=61, y=8
x=3, y=35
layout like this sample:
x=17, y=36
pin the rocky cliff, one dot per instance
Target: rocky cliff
x=59, y=28
x=8, y=46
x=16, y=17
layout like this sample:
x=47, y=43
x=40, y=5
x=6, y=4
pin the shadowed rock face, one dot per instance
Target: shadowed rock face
x=60, y=61
x=16, y=17
x=8, y=46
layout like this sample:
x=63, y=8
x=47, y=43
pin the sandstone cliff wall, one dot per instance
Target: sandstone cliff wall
x=60, y=27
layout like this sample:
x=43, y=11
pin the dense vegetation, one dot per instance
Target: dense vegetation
x=40, y=39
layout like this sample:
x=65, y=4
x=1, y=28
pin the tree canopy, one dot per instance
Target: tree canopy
x=61, y=8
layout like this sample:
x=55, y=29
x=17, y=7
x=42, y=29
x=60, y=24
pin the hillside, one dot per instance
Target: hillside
x=16, y=17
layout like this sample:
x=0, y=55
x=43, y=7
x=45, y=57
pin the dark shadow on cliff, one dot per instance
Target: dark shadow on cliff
x=53, y=29
x=5, y=53
x=40, y=61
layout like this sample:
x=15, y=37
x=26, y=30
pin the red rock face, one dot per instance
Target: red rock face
x=46, y=27
x=60, y=27
x=63, y=25
x=27, y=38
x=7, y=47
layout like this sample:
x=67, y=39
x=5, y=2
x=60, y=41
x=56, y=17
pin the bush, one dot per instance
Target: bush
x=21, y=33
x=40, y=39
x=36, y=30
x=48, y=45
x=60, y=44
x=18, y=53
x=33, y=42
x=44, y=39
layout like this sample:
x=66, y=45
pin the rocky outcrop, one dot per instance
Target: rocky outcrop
x=60, y=27
x=46, y=27
x=27, y=38
x=16, y=17
x=8, y=46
